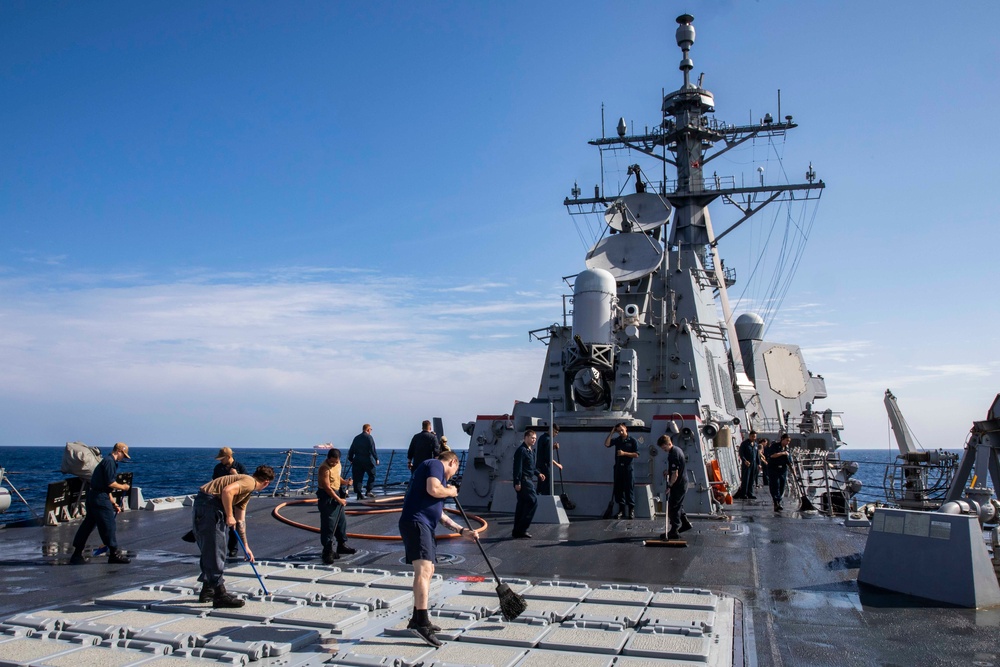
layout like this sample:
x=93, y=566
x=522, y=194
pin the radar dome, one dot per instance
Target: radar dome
x=750, y=326
x=594, y=297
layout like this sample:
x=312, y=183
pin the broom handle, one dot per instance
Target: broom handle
x=261, y=581
x=468, y=523
x=562, y=486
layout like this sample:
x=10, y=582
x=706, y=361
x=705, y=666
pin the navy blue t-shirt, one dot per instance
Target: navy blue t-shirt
x=627, y=444
x=104, y=474
x=676, y=462
x=222, y=470
x=419, y=505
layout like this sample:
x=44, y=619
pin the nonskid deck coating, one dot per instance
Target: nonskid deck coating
x=141, y=625
x=793, y=576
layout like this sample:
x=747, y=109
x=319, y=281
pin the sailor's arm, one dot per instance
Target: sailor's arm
x=436, y=489
x=517, y=469
x=241, y=529
x=229, y=494
x=118, y=486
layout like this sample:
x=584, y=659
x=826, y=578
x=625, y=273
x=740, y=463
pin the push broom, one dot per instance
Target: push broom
x=247, y=553
x=512, y=605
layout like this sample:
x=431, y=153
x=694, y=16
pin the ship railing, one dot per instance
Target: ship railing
x=5, y=479
x=296, y=478
x=926, y=483
x=697, y=184
x=817, y=470
x=709, y=331
x=544, y=334
x=709, y=279
x=798, y=425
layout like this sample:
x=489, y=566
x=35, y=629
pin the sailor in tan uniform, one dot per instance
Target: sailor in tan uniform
x=220, y=505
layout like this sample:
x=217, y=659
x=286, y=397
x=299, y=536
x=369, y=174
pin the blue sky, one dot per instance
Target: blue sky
x=263, y=224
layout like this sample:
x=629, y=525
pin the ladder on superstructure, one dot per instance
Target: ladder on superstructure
x=296, y=478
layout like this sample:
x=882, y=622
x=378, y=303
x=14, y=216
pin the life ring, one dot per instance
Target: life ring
x=720, y=490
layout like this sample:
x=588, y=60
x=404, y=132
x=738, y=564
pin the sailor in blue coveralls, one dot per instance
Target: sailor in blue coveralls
x=677, y=521
x=626, y=449
x=101, y=509
x=524, y=485
x=363, y=458
x=544, y=461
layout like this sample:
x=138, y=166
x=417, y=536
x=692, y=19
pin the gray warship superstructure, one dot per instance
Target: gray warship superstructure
x=648, y=337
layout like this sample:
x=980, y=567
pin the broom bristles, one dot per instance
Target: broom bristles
x=512, y=605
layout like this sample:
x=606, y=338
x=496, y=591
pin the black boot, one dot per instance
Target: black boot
x=685, y=525
x=207, y=592
x=118, y=557
x=631, y=513
x=77, y=558
x=342, y=548
x=329, y=555
x=224, y=600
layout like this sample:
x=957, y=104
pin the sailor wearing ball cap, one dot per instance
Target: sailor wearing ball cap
x=102, y=509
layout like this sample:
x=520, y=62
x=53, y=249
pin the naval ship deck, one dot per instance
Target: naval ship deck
x=753, y=589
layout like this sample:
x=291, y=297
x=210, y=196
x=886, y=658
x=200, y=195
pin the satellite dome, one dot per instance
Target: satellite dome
x=750, y=326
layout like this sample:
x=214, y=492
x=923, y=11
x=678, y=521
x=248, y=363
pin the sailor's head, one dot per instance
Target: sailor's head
x=367, y=428
x=622, y=429
x=333, y=455
x=450, y=461
x=785, y=439
x=121, y=449
x=665, y=443
x=263, y=475
x=529, y=437
x=753, y=435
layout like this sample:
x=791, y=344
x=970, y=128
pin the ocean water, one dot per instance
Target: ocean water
x=175, y=471
x=160, y=471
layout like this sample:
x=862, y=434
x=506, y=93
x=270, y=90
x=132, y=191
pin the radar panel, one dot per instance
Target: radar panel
x=626, y=256
x=639, y=212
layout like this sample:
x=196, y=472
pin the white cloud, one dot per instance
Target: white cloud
x=285, y=359
x=475, y=287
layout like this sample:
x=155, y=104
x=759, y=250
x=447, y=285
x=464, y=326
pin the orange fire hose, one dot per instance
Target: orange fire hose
x=276, y=513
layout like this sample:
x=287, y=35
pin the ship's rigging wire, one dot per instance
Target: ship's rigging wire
x=788, y=255
x=773, y=268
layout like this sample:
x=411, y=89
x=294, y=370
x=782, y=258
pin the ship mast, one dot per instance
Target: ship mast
x=683, y=138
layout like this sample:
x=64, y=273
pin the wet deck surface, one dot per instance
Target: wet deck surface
x=786, y=584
